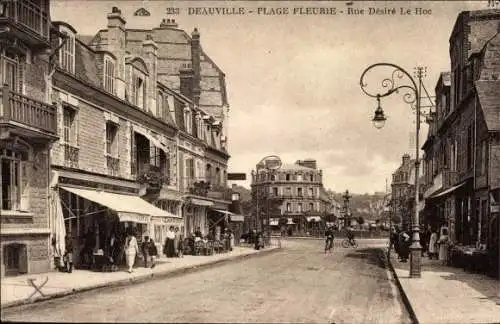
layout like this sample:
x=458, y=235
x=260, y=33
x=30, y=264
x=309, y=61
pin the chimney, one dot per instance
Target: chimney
x=115, y=18
x=150, y=50
x=195, y=59
x=168, y=23
x=186, y=81
x=406, y=159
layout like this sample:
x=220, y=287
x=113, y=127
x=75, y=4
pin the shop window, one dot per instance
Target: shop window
x=15, y=259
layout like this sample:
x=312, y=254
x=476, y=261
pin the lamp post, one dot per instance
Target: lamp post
x=411, y=96
x=347, y=214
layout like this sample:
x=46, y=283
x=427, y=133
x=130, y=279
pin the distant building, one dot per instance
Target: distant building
x=299, y=189
x=402, y=188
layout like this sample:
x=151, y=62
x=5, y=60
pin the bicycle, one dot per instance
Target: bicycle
x=328, y=245
x=349, y=243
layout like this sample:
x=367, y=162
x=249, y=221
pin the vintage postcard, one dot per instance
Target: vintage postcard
x=250, y=161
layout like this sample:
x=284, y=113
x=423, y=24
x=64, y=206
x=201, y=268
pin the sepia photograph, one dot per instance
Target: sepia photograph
x=244, y=161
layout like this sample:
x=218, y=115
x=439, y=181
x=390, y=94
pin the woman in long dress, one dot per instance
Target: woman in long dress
x=131, y=248
x=177, y=238
x=433, y=244
x=169, y=243
x=443, y=244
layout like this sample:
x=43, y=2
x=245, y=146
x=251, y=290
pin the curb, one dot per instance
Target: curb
x=404, y=297
x=139, y=279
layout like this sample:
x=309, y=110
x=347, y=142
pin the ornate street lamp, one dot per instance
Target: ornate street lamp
x=347, y=213
x=411, y=96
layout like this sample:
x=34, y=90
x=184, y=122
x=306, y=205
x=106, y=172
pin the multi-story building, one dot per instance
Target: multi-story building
x=299, y=190
x=402, y=189
x=462, y=150
x=27, y=129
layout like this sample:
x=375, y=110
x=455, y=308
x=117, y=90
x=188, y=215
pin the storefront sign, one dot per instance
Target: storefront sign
x=136, y=218
x=167, y=221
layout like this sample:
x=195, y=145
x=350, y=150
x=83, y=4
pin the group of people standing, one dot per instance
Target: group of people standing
x=433, y=244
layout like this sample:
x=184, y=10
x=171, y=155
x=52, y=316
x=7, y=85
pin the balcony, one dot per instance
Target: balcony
x=71, y=155
x=33, y=118
x=113, y=165
x=152, y=177
x=27, y=20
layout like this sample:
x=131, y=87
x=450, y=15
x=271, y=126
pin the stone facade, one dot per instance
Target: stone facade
x=24, y=146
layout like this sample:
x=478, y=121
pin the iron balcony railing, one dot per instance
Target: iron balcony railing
x=25, y=110
x=27, y=13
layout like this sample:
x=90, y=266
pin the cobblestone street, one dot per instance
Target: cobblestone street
x=297, y=284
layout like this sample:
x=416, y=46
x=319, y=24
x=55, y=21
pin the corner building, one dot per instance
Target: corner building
x=299, y=187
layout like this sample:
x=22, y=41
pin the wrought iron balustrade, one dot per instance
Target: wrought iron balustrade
x=27, y=13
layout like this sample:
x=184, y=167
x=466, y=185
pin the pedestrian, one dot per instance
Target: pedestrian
x=153, y=252
x=198, y=233
x=145, y=250
x=433, y=244
x=177, y=241
x=443, y=244
x=231, y=240
x=424, y=240
x=68, y=254
x=404, y=246
x=131, y=248
x=169, y=249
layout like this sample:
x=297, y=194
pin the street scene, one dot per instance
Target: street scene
x=250, y=162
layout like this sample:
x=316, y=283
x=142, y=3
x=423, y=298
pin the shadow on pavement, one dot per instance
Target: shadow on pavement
x=479, y=282
x=371, y=255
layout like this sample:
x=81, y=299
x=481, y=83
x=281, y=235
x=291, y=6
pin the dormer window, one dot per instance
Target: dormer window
x=188, y=122
x=67, y=52
x=109, y=75
x=159, y=105
x=138, y=90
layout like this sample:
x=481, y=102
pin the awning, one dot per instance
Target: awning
x=237, y=218
x=200, y=202
x=313, y=219
x=146, y=133
x=225, y=212
x=447, y=191
x=129, y=208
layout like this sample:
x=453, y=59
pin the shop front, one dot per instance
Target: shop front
x=195, y=215
x=97, y=222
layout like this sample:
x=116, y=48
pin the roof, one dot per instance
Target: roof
x=488, y=93
x=295, y=167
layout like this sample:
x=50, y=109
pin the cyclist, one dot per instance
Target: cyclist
x=350, y=235
x=329, y=239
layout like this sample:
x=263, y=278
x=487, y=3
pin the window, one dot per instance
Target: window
x=311, y=192
x=138, y=91
x=111, y=139
x=299, y=192
x=217, y=177
x=299, y=177
x=159, y=105
x=190, y=171
x=287, y=177
x=109, y=76
x=154, y=155
x=275, y=191
x=311, y=177
x=15, y=175
x=165, y=166
x=288, y=191
x=288, y=207
x=469, y=146
x=483, y=159
x=67, y=53
x=69, y=126
x=273, y=177
x=311, y=206
x=10, y=72
x=299, y=208
x=188, y=123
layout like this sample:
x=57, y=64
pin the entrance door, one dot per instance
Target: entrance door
x=15, y=259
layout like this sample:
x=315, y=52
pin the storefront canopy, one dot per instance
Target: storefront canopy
x=225, y=212
x=314, y=219
x=201, y=202
x=447, y=191
x=129, y=208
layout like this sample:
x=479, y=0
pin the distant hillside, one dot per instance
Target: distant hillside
x=368, y=206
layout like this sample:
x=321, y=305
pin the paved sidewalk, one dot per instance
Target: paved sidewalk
x=449, y=295
x=17, y=290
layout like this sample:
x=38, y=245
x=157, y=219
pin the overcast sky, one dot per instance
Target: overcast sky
x=293, y=81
